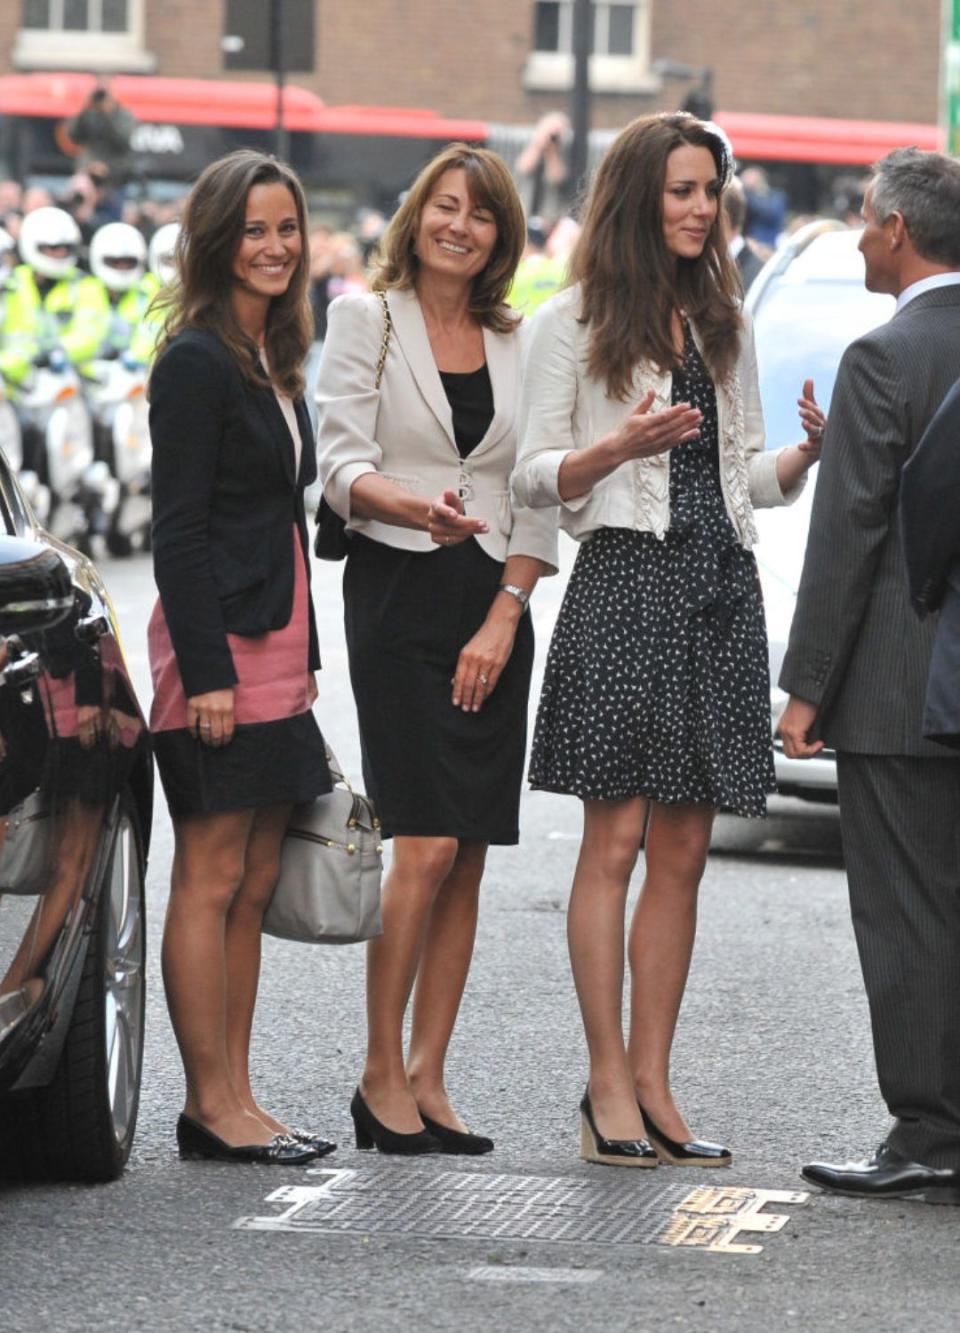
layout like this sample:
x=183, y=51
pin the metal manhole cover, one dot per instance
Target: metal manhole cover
x=469, y=1205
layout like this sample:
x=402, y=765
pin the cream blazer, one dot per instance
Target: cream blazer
x=563, y=408
x=404, y=432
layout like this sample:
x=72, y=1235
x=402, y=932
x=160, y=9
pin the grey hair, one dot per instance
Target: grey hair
x=924, y=188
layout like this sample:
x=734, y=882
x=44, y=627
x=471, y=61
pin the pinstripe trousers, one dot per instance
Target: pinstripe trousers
x=900, y=820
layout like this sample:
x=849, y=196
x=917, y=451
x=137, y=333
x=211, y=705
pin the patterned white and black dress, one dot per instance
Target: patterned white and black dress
x=657, y=680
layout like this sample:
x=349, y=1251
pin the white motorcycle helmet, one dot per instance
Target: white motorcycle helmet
x=162, y=246
x=118, y=256
x=46, y=229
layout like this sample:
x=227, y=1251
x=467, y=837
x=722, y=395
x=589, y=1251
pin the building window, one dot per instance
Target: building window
x=620, y=40
x=103, y=35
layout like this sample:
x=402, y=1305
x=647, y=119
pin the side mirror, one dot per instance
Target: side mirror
x=36, y=591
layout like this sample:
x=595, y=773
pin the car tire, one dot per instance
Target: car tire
x=80, y=1126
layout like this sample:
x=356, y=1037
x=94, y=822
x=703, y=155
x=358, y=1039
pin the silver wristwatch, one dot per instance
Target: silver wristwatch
x=521, y=594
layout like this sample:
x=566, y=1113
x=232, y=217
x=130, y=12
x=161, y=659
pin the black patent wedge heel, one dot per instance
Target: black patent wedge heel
x=695, y=1152
x=610, y=1152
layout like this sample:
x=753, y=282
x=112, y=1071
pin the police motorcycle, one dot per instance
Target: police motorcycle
x=116, y=381
x=11, y=438
x=11, y=442
x=51, y=316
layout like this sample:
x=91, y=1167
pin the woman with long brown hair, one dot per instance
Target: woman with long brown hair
x=233, y=642
x=440, y=567
x=641, y=421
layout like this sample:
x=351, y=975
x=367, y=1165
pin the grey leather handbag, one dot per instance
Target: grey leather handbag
x=331, y=861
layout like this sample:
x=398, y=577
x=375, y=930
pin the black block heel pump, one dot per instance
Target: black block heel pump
x=371, y=1133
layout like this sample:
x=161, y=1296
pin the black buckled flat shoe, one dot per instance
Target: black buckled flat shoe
x=695, y=1152
x=370, y=1133
x=455, y=1140
x=197, y=1143
x=322, y=1147
x=610, y=1152
x=886, y=1175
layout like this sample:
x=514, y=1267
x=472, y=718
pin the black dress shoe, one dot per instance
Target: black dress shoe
x=886, y=1175
x=695, y=1152
x=371, y=1133
x=455, y=1140
x=197, y=1143
x=610, y=1152
x=320, y=1146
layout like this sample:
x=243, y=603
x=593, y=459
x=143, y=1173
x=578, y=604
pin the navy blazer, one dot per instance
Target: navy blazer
x=930, y=506
x=930, y=519
x=226, y=499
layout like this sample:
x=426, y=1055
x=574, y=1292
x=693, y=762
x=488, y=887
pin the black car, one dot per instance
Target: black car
x=76, y=795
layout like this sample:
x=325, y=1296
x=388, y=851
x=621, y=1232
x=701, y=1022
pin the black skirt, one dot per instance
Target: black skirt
x=432, y=769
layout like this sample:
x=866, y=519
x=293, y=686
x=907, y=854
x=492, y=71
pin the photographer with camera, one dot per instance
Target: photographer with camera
x=103, y=130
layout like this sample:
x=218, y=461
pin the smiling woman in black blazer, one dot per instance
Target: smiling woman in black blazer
x=233, y=643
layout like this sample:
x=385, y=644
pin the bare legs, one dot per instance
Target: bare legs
x=661, y=941
x=661, y=944
x=429, y=904
x=224, y=868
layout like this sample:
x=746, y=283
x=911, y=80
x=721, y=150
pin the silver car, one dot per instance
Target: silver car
x=808, y=304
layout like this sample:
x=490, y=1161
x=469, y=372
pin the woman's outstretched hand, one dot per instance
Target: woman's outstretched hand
x=813, y=419
x=447, y=523
x=645, y=433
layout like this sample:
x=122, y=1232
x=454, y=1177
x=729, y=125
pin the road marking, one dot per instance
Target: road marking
x=565, y=1276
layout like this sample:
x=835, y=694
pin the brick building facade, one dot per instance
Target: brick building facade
x=503, y=60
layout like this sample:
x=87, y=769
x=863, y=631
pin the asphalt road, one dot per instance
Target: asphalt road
x=773, y=1056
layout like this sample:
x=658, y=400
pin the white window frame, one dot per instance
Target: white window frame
x=552, y=71
x=55, y=48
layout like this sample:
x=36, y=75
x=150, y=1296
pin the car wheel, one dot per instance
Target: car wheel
x=81, y=1125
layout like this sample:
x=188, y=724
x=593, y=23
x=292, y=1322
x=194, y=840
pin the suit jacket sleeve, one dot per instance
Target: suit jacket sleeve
x=188, y=399
x=852, y=511
x=347, y=399
x=930, y=506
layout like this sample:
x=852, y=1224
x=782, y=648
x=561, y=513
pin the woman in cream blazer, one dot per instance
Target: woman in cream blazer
x=439, y=571
x=641, y=422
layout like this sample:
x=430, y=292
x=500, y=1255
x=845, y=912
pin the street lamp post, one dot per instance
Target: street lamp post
x=278, y=54
x=580, y=100
x=950, y=77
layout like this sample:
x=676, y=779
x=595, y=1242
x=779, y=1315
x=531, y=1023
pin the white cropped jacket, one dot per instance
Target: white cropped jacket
x=404, y=431
x=563, y=408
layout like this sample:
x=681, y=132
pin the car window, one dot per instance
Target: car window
x=802, y=330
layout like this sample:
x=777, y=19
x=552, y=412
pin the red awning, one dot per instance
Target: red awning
x=816, y=139
x=238, y=104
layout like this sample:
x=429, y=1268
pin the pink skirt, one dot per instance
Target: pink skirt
x=277, y=754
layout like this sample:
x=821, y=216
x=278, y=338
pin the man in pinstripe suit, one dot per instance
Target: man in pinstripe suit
x=856, y=670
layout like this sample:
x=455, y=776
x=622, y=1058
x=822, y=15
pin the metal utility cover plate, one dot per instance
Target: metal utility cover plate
x=470, y=1205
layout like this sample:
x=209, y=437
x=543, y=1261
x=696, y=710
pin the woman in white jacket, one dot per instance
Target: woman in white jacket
x=435, y=592
x=641, y=420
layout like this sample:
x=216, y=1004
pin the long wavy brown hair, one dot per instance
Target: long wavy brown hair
x=491, y=187
x=211, y=230
x=630, y=283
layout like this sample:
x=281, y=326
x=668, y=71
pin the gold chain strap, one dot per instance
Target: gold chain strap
x=387, y=327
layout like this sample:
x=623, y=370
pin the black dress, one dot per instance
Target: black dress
x=432, y=769
x=657, y=680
